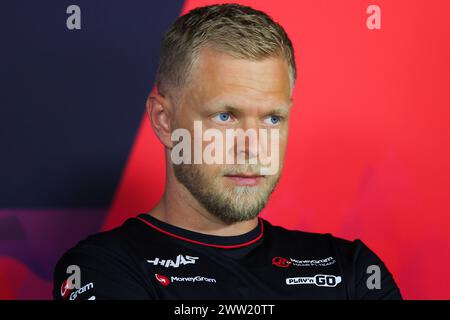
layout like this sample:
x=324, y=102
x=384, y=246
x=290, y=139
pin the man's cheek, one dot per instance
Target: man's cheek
x=210, y=172
x=282, y=147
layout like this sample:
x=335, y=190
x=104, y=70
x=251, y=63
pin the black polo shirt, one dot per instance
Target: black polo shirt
x=146, y=258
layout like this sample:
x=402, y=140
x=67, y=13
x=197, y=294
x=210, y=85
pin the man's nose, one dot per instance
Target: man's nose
x=250, y=132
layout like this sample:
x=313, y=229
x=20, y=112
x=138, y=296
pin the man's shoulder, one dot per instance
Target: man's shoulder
x=104, y=246
x=280, y=233
x=106, y=266
x=112, y=239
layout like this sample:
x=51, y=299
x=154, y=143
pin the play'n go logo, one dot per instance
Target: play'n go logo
x=320, y=280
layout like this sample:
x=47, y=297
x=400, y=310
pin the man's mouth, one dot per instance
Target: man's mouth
x=245, y=179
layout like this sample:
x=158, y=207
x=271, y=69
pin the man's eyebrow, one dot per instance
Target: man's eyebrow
x=223, y=106
x=280, y=110
x=228, y=107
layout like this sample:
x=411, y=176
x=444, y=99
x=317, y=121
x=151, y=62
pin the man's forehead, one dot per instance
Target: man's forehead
x=216, y=68
x=239, y=82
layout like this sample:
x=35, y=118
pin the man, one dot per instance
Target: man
x=225, y=71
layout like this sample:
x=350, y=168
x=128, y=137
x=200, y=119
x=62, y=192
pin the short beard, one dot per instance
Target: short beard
x=230, y=205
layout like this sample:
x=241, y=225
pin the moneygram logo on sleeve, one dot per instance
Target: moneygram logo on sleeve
x=72, y=293
x=180, y=260
x=321, y=280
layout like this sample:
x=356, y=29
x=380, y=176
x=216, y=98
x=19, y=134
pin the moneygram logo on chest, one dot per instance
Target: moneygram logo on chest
x=285, y=263
x=180, y=260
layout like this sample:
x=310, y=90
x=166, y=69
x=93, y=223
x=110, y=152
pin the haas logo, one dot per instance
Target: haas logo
x=181, y=260
x=162, y=279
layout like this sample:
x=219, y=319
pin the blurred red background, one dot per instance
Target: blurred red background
x=369, y=144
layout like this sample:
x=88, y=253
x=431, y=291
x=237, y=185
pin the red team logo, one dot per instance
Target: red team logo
x=65, y=289
x=162, y=279
x=281, y=262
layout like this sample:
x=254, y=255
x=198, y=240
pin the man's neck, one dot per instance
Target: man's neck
x=183, y=211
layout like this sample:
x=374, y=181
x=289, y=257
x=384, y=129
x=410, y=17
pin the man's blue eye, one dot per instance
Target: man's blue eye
x=223, y=116
x=274, y=119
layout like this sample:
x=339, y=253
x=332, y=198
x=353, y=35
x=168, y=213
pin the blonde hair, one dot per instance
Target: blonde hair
x=237, y=30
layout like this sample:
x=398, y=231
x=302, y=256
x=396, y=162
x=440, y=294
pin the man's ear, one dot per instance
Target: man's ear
x=159, y=110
